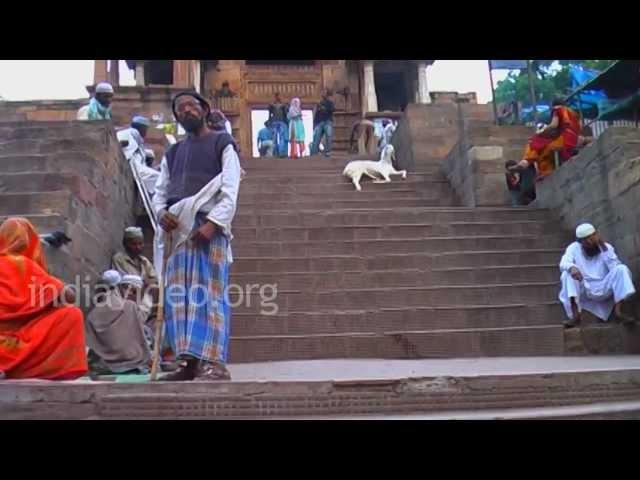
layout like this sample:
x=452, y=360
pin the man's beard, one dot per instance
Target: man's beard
x=192, y=124
x=591, y=251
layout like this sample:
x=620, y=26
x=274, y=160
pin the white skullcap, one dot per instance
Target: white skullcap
x=585, y=230
x=111, y=277
x=135, y=280
x=140, y=120
x=104, y=87
x=133, y=232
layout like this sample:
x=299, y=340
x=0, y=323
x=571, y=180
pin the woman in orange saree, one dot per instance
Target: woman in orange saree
x=38, y=338
x=561, y=135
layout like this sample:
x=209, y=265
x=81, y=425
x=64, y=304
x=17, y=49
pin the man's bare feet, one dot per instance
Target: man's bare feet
x=576, y=317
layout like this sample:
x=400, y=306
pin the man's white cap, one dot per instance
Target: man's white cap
x=584, y=230
x=111, y=277
x=104, y=87
x=133, y=232
x=135, y=280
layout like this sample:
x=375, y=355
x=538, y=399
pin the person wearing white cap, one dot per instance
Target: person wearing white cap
x=99, y=107
x=115, y=328
x=132, y=262
x=593, y=278
x=135, y=151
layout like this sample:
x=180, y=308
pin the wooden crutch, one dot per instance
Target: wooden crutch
x=160, y=314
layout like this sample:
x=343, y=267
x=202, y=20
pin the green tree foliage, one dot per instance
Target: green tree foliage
x=551, y=78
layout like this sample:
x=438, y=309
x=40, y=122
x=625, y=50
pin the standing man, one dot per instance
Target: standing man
x=593, y=277
x=279, y=126
x=135, y=151
x=323, y=124
x=195, y=201
x=99, y=107
x=265, y=141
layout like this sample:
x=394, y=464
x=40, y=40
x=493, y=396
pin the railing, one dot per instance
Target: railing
x=228, y=105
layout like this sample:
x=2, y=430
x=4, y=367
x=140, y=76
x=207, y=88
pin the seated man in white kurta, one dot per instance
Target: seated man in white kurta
x=593, y=278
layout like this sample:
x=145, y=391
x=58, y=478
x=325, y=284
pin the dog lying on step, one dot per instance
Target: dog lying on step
x=379, y=171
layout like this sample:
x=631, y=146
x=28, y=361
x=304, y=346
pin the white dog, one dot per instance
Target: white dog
x=380, y=171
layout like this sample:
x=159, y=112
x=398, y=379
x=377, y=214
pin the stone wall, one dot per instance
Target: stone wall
x=427, y=133
x=40, y=110
x=69, y=176
x=601, y=185
x=475, y=164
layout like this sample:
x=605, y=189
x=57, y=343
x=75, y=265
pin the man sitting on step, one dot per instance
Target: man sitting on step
x=132, y=262
x=99, y=107
x=115, y=328
x=593, y=277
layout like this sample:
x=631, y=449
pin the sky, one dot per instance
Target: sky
x=67, y=79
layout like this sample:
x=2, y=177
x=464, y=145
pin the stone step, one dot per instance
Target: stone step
x=267, y=300
x=514, y=341
x=392, y=261
x=371, y=195
x=409, y=185
x=79, y=162
x=397, y=319
x=347, y=388
x=371, y=216
x=55, y=144
x=44, y=182
x=43, y=203
x=404, y=245
x=400, y=278
x=331, y=203
x=306, y=177
x=390, y=230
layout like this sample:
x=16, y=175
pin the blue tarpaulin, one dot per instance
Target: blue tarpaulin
x=590, y=102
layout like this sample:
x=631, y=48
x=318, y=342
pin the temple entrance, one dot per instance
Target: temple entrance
x=258, y=117
x=395, y=85
x=158, y=72
x=391, y=91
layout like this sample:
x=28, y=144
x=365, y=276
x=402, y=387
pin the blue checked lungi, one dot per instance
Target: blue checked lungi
x=197, y=307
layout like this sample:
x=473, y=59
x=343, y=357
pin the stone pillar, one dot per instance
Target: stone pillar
x=423, y=90
x=370, y=99
x=181, y=73
x=99, y=71
x=140, y=80
x=114, y=73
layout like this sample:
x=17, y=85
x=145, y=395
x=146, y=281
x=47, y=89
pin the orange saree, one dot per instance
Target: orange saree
x=540, y=148
x=37, y=338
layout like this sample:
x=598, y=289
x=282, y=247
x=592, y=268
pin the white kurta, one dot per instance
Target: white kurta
x=606, y=281
x=134, y=152
x=218, y=198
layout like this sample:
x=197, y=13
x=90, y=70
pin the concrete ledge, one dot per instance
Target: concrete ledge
x=412, y=388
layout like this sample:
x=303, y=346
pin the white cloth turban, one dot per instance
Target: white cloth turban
x=111, y=277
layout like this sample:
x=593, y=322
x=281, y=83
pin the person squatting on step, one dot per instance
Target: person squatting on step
x=593, y=278
x=196, y=198
x=99, y=107
x=135, y=150
x=116, y=336
x=562, y=135
x=132, y=262
x=521, y=185
x=41, y=331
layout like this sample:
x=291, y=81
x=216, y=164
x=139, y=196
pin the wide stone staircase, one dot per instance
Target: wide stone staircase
x=395, y=271
x=393, y=302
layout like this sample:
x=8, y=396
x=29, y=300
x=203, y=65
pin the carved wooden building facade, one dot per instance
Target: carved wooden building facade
x=360, y=87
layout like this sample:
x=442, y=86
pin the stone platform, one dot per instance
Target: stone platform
x=482, y=388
